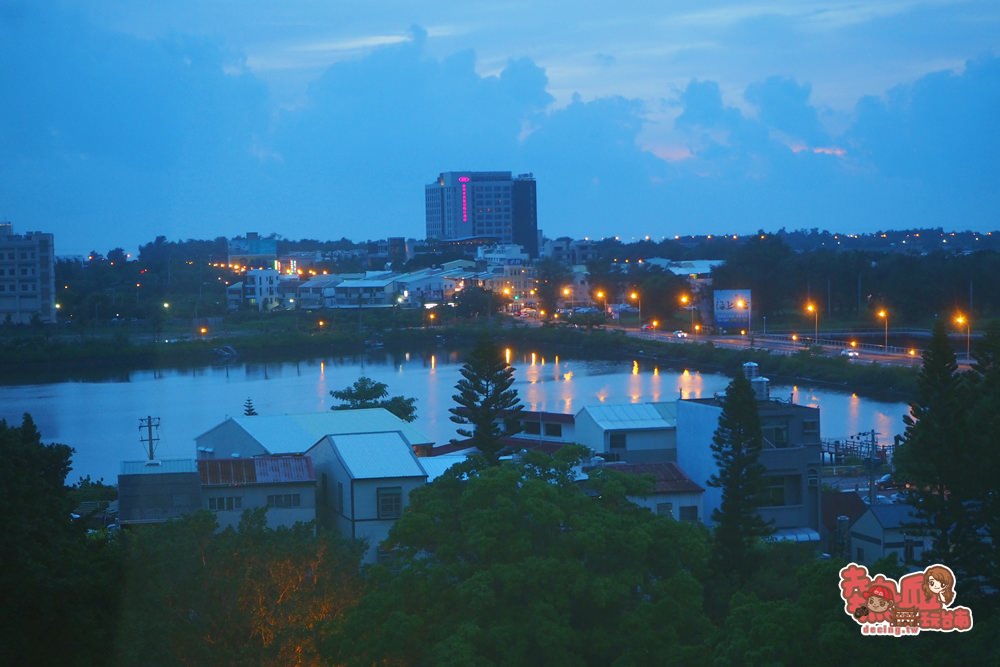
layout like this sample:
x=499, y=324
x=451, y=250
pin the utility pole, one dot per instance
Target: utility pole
x=148, y=424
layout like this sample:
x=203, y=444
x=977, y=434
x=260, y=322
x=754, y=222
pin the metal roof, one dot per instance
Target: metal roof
x=377, y=455
x=159, y=467
x=893, y=516
x=258, y=470
x=294, y=434
x=628, y=416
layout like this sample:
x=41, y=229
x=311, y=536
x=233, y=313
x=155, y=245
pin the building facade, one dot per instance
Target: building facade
x=27, y=276
x=483, y=204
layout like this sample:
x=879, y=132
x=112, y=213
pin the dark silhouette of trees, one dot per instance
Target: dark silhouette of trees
x=248, y=408
x=367, y=393
x=486, y=400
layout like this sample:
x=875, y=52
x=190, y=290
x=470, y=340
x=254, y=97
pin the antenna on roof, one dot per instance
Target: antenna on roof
x=150, y=439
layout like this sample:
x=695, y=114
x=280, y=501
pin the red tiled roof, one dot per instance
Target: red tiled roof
x=258, y=470
x=668, y=478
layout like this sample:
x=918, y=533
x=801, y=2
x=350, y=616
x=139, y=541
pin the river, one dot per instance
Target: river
x=100, y=419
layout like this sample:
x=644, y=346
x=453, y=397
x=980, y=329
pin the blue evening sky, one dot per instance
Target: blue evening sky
x=124, y=120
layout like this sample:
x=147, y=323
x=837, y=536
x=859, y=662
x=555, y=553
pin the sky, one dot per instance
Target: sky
x=193, y=119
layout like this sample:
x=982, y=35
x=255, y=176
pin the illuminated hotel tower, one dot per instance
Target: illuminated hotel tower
x=479, y=205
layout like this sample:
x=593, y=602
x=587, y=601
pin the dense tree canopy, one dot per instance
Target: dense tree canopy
x=368, y=393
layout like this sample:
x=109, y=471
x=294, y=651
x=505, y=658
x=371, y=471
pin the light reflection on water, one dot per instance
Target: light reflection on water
x=100, y=419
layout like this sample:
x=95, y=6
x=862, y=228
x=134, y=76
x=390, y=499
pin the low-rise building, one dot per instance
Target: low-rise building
x=157, y=491
x=883, y=531
x=365, y=483
x=791, y=458
x=632, y=432
x=285, y=485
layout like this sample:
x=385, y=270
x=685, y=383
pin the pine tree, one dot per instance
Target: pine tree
x=736, y=448
x=248, y=409
x=486, y=401
x=933, y=456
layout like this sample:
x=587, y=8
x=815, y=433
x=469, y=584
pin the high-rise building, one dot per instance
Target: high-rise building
x=27, y=276
x=487, y=205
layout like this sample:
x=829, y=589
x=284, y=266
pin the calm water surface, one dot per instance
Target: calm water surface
x=100, y=420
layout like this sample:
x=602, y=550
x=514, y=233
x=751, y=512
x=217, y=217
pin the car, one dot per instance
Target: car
x=850, y=353
x=680, y=334
x=885, y=482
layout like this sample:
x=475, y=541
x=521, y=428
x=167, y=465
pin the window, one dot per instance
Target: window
x=390, y=502
x=553, y=430
x=665, y=509
x=225, y=503
x=689, y=512
x=810, y=427
x=532, y=428
x=617, y=440
x=775, y=435
x=781, y=490
x=284, y=500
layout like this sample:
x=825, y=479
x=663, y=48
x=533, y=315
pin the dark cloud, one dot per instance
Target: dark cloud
x=111, y=140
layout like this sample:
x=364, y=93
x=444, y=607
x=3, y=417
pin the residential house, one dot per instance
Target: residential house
x=791, y=458
x=673, y=494
x=365, y=483
x=633, y=432
x=882, y=531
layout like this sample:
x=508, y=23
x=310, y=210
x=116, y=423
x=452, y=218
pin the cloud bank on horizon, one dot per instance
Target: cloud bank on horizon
x=119, y=127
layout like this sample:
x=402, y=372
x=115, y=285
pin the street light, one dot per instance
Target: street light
x=602, y=295
x=884, y=314
x=815, y=311
x=635, y=297
x=741, y=304
x=961, y=319
x=686, y=302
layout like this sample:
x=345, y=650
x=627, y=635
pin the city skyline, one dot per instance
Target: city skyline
x=315, y=121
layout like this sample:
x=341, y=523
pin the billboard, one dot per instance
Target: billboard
x=732, y=307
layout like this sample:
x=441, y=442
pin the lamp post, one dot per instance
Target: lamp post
x=635, y=297
x=815, y=311
x=961, y=319
x=884, y=314
x=686, y=302
x=601, y=295
x=741, y=304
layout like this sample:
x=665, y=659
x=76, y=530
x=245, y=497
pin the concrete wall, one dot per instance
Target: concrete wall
x=696, y=424
x=255, y=496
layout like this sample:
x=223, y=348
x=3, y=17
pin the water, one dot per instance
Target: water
x=100, y=420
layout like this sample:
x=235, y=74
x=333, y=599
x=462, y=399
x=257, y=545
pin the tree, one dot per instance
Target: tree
x=552, y=277
x=248, y=409
x=474, y=301
x=515, y=564
x=933, y=455
x=367, y=393
x=53, y=575
x=486, y=400
x=736, y=448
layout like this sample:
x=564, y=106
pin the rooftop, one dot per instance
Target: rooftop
x=258, y=470
x=667, y=477
x=632, y=416
x=159, y=467
x=377, y=455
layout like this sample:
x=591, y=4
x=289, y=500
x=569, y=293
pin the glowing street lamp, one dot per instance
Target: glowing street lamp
x=884, y=314
x=601, y=295
x=635, y=297
x=960, y=320
x=811, y=308
x=745, y=305
x=686, y=302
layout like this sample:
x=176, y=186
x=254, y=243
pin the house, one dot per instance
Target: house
x=790, y=456
x=882, y=531
x=634, y=432
x=285, y=485
x=157, y=491
x=547, y=427
x=365, y=483
x=245, y=437
x=673, y=494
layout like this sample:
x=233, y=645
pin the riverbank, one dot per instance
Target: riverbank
x=39, y=359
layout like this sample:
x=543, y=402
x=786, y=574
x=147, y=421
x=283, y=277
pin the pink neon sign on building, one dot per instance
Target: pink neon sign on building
x=464, y=180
